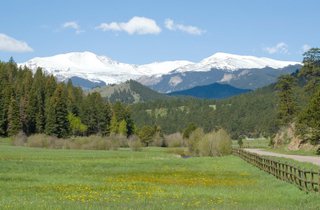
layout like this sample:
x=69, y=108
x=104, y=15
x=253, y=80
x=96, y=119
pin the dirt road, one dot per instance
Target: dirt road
x=301, y=158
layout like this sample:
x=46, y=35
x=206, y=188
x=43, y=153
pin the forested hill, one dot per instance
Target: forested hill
x=39, y=104
x=214, y=91
x=129, y=92
x=251, y=114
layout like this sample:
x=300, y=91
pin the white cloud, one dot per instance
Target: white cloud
x=305, y=48
x=281, y=48
x=136, y=25
x=72, y=25
x=9, y=44
x=169, y=23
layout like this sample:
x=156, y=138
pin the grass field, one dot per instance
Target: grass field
x=254, y=143
x=33, y=178
x=285, y=150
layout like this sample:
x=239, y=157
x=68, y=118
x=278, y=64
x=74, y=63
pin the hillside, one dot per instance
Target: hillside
x=212, y=91
x=251, y=114
x=129, y=92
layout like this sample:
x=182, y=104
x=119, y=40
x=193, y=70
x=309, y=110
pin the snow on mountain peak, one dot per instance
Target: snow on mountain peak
x=90, y=66
x=231, y=62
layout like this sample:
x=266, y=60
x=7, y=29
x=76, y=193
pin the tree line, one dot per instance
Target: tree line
x=37, y=103
x=299, y=98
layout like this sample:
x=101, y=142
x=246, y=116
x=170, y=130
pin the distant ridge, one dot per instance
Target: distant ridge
x=212, y=91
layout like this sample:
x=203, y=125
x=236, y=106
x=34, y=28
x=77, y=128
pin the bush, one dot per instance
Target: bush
x=135, y=143
x=93, y=142
x=212, y=144
x=158, y=140
x=20, y=139
x=174, y=140
x=193, y=141
x=44, y=141
x=216, y=144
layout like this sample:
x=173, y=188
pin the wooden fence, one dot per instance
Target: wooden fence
x=306, y=180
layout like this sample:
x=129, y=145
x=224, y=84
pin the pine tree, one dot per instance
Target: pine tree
x=14, y=125
x=310, y=117
x=57, y=123
x=287, y=104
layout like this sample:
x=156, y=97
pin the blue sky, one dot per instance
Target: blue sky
x=141, y=31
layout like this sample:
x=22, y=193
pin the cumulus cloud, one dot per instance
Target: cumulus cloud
x=72, y=25
x=172, y=26
x=136, y=25
x=9, y=44
x=305, y=47
x=281, y=48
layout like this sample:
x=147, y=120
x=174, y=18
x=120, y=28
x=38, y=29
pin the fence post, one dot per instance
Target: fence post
x=319, y=181
x=312, y=180
x=305, y=179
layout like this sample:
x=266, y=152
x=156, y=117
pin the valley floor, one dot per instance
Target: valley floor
x=154, y=178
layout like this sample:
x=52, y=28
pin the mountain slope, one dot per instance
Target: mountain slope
x=212, y=91
x=242, y=78
x=129, y=92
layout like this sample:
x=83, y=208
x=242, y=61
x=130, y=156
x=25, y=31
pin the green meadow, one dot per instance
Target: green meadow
x=153, y=178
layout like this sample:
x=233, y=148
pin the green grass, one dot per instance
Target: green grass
x=5, y=141
x=253, y=143
x=285, y=150
x=302, y=165
x=33, y=178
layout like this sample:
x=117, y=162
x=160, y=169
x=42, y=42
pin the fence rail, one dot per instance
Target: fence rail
x=306, y=180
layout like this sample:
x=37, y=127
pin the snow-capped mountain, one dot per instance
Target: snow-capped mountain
x=231, y=62
x=89, y=66
x=246, y=72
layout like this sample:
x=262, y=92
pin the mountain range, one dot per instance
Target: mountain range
x=88, y=70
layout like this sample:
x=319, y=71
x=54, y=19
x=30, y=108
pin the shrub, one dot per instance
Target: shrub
x=134, y=143
x=212, y=144
x=93, y=142
x=216, y=144
x=240, y=142
x=193, y=141
x=42, y=140
x=174, y=140
x=20, y=139
x=159, y=140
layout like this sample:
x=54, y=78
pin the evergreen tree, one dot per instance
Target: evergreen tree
x=146, y=134
x=191, y=127
x=309, y=120
x=14, y=124
x=287, y=103
x=311, y=69
x=57, y=123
